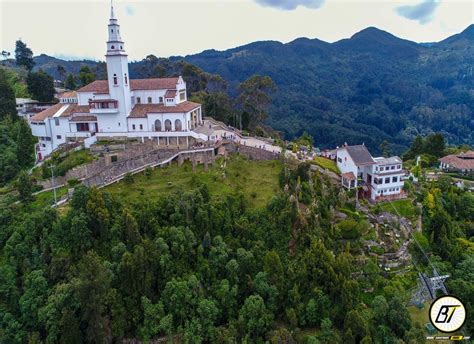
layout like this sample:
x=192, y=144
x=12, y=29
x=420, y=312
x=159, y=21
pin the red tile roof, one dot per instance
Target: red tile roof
x=98, y=86
x=153, y=84
x=84, y=119
x=170, y=94
x=102, y=86
x=348, y=176
x=70, y=94
x=457, y=162
x=141, y=110
x=68, y=111
x=49, y=112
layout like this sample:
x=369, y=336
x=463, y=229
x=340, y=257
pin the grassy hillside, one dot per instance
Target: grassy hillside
x=257, y=180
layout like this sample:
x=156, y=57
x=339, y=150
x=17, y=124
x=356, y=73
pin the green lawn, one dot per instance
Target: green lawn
x=63, y=164
x=46, y=198
x=404, y=207
x=258, y=180
x=419, y=315
x=327, y=163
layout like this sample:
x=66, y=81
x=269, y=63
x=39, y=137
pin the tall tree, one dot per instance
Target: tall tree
x=25, y=142
x=24, y=56
x=93, y=281
x=61, y=71
x=25, y=187
x=86, y=76
x=41, y=86
x=435, y=144
x=254, y=99
x=7, y=98
x=70, y=82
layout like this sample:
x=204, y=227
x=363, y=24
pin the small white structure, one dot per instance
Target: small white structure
x=379, y=178
x=27, y=108
x=119, y=107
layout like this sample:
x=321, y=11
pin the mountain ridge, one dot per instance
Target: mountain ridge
x=368, y=88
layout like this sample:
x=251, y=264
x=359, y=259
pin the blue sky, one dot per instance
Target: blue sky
x=71, y=28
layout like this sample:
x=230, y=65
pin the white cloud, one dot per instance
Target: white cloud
x=422, y=12
x=291, y=4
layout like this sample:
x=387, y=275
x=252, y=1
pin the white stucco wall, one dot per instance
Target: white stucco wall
x=345, y=162
x=137, y=122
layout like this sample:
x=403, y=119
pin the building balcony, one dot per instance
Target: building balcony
x=103, y=106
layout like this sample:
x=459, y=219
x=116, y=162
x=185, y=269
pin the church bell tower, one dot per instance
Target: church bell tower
x=117, y=70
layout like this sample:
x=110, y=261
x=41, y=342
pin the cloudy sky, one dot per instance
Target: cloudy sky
x=71, y=28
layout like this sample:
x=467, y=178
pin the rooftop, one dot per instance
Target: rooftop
x=359, y=154
x=60, y=110
x=102, y=86
x=141, y=110
x=69, y=94
x=459, y=161
x=388, y=161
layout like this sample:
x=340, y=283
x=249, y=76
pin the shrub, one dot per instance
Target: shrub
x=128, y=178
x=73, y=182
x=148, y=171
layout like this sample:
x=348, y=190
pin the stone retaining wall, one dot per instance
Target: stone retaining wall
x=251, y=153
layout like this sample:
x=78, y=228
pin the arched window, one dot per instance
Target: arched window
x=177, y=125
x=149, y=100
x=167, y=125
x=157, y=125
x=115, y=79
x=112, y=47
x=126, y=79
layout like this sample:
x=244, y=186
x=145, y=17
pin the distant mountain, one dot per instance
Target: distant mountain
x=368, y=88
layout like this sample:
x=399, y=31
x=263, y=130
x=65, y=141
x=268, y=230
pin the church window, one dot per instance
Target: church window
x=112, y=30
x=115, y=79
x=149, y=100
x=161, y=99
x=126, y=79
x=56, y=121
x=112, y=47
x=133, y=126
x=141, y=126
x=120, y=47
x=139, y=100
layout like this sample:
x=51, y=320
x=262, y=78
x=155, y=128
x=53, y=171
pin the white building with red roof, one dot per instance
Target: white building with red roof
x=156, y=109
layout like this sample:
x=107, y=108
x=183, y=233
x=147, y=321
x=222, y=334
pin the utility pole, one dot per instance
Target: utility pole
x=54, y=186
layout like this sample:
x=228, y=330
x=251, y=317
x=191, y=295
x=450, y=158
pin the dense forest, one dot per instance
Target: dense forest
x=369, y=88
x=197, y=268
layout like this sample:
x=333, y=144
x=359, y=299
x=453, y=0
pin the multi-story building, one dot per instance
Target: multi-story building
x=156, y=109
x=378, y=178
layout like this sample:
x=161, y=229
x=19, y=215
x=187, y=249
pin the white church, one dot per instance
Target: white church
x=119, y=107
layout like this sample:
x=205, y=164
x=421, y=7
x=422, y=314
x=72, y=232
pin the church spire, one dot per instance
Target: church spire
x=115, y=45
x=112, y=15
